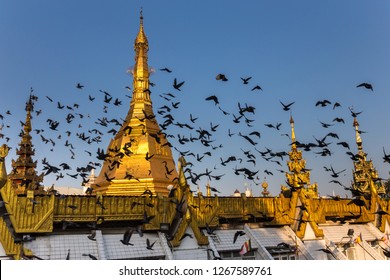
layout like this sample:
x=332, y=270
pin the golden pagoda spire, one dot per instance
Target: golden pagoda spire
x=139, y=157
x=141, y=70
x=298, y=176
x=294, y=146
x=365, y=176
x=359, y=141
x=23, y=175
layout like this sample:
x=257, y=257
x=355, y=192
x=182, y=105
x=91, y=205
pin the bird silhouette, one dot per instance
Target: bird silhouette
x=386, y=252
x=186, y=235
x=256, y=87
x=221, y=77
x=92, y=257
x=357, y=201
x=166, y=70
x=177, y=85
x=215, y=257
x=148, y=157
x=336, y=104
x=79, y=86
x=127, y=236
x=146, y=219
x=92, y=236
x=366, y=85
x=386, y=157
x=326, y=250
x=246, y=80
x=209, y=230
x=334, y=173
x=323, y=103
x=237, y=234
x=149, y=245
x=286, y=107
x=213, y=98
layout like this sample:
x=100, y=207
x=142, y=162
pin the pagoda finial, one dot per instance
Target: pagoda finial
x=292, y=132
x=358, y=138
x=29, y=108
x=141, y=69
x=141, y=37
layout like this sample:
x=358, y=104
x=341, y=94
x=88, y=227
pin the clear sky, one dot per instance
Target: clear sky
x=297, y=51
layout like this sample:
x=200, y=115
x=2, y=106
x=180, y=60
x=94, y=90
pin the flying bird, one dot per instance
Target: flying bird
x=166, y=70
x=92, y=236
x=79, y=86
x=185, y=235
x=126, y=237
x=177, y=85
x=336, y=104
x=286, y=107
x=92, y=257
x=323, y=103
x=256, y=87
x=366, y=85
x=334, y=173
x=149, y=245
x=245, y=80
x=221, y=77
x=237, y=234
x=327, y=251
x=212, y=98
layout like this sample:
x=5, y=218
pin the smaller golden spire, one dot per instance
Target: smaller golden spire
x=292, y=132
x=208, y=189
x=359, y=141
x=264, y=185
x=29, y=108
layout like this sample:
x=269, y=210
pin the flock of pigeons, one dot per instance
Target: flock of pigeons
x=78, y=128
x=72, y=125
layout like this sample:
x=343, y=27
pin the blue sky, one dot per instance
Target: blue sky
x=300, y=51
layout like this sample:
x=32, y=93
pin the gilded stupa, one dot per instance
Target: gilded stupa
x=365, y=177
x=139, y=157
x=23, y=175
x=298, y=176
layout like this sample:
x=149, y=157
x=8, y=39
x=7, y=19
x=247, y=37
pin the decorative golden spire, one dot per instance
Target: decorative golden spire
x=141, y=70
x=359, y=141
x=298, y=176
x=139, y=157
x=265, y=191
x=23, y=175
x=294, y=146
x=365, y=176
x=141, y=37
x=208, y=189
